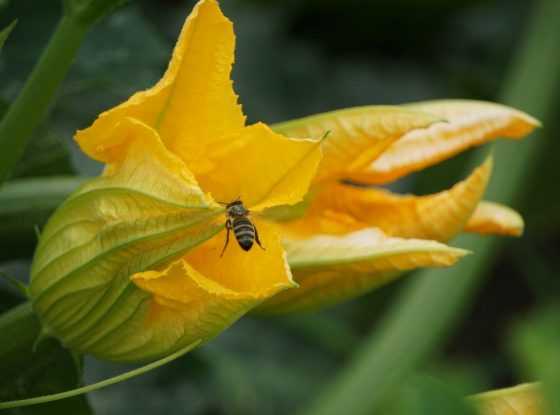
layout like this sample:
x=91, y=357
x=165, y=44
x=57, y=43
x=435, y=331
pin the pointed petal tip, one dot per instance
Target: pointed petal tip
x=460, y=252
x=332, y=269
x=469, y=124
x=491, y=218
x=354, y=137
x=489, y=162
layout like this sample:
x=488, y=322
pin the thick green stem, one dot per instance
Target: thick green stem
x=31, y=106
x=418, y=323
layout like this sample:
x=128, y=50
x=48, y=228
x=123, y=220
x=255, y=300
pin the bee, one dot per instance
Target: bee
x=244, y=230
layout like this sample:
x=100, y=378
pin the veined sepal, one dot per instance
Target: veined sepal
x=104, y=233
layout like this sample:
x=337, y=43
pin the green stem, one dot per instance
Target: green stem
x=31, y=106
x=99, y=385
x=432, y=302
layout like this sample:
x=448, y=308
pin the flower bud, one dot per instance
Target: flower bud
x=81, y=285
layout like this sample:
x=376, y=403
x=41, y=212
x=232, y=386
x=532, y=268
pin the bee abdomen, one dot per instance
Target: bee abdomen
x=244, y=232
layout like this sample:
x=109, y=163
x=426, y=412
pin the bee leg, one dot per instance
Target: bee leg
x=228, y=229
x=258, y=240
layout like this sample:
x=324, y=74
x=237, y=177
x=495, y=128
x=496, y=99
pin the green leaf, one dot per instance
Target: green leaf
x=4, y=33
x=27, y=373
x=4, y=4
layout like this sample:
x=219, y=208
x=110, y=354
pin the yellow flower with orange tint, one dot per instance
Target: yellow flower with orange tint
x=129, y=267
x=350, y=236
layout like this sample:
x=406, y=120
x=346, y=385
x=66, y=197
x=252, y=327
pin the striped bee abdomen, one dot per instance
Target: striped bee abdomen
x=244, y=232
x=237, y=220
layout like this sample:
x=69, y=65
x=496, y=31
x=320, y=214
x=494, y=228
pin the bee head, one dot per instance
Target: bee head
x=236, y=208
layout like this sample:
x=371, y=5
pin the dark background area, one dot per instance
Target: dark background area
x=296, y=58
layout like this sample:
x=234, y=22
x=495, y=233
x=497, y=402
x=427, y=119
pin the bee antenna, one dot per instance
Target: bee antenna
x=238, y=198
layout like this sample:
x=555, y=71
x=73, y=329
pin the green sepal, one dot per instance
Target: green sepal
x=104, y=233
x=41, y=337
x=17, y=284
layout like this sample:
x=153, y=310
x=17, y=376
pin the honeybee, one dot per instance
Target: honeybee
x=244, y=230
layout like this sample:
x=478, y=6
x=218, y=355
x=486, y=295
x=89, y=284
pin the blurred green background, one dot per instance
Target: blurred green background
x=296, y=58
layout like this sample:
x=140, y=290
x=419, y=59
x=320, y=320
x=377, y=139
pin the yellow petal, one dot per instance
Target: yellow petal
x=259, y=166
x=523, y=399
x=332, y=269
x=341, y=208
x=256, y=272
x=356, y=136
x=469, y=124
x=202, y=104
x=494, y=219
x=201, y=294
x=194, y=100
x=137, y=159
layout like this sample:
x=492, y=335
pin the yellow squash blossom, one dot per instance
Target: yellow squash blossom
x=129, y=267
x=349, y=238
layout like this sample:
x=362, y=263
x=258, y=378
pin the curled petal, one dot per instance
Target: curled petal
x=194, y=100
x=494, y=219
x=469, y=124
x=137, y=159
x=201, y=294
x=341, y=208
x=330, y=269
x=356, y=136
x=257, y=273
x=523, y=399
x=258, y=166
x=201, y=104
